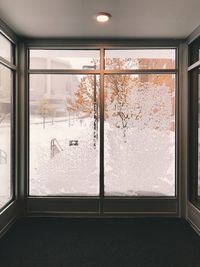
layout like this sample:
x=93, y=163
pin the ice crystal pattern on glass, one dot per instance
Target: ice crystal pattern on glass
x=139, y=135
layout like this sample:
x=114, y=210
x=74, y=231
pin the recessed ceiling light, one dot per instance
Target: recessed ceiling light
x=103, y=17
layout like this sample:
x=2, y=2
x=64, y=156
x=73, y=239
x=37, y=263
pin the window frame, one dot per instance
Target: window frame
x=194, y=113
x=105, y=204
x=13, y=116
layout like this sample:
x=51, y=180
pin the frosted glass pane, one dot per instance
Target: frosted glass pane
x=5, y=135
x=64, y=139
x=64, y=59
x=140, y=135
x=140, y=59
x=5, y=48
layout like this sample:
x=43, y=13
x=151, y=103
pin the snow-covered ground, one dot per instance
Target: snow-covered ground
x=143, y=164
x=74, y=170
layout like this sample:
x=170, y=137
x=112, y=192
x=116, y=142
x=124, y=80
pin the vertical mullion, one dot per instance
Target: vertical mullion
x=101, y=180
x=12, y=135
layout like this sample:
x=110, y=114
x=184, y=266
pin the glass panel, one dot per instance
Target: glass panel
x=140, y=135
x=64, y=139
x=140, y=59
x=5, y=135
x=5, y=48
x=64, y=59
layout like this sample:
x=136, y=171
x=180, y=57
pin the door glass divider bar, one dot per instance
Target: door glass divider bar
x=77, y=71
x=101, y=181
x=193, y=66
x=63, y=71
x=144, y=71
x=7, y=63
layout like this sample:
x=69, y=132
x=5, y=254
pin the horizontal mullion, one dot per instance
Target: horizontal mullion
x=7, y=63
x=62, y=71
x=78, y=71
x=193, y=66
x=142, y=198
x=101, y=43
x=144, y=71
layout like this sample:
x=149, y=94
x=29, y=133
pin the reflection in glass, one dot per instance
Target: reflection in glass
x=64, y=59
x=64, y=140
x=140, y=135
x=5, y=135
x=5, y=48
x=140, y=59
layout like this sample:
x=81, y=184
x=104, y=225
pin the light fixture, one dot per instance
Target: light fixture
x=103, y=17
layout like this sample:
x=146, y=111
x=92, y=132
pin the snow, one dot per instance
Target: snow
x=143, y=165
x=72, y=171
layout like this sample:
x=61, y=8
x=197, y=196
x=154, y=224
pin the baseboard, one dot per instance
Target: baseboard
x=8, y=217
x=193, y=217
x=196, y=229
x=5, y=229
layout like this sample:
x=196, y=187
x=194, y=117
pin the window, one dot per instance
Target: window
x=5, y=48
x=100, y=130
x=140, y=59
x=64, y=143
x=64, y=59
x=140, y=135
x=6, y=123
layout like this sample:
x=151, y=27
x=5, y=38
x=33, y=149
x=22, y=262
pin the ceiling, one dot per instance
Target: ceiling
x=75, y=18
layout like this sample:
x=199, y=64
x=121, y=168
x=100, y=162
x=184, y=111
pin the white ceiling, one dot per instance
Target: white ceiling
x=75, y=18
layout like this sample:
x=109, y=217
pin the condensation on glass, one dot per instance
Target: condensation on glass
x=5, y=135
x=5, y=48
x=64, y=135
x=139, y=135
x=140, y=59
x=64, y=59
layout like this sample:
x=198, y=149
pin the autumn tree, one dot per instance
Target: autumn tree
x=45, y=109
x=84, y=95
x=130, y=100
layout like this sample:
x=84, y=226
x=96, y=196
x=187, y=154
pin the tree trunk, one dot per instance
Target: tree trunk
x=43, y=122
